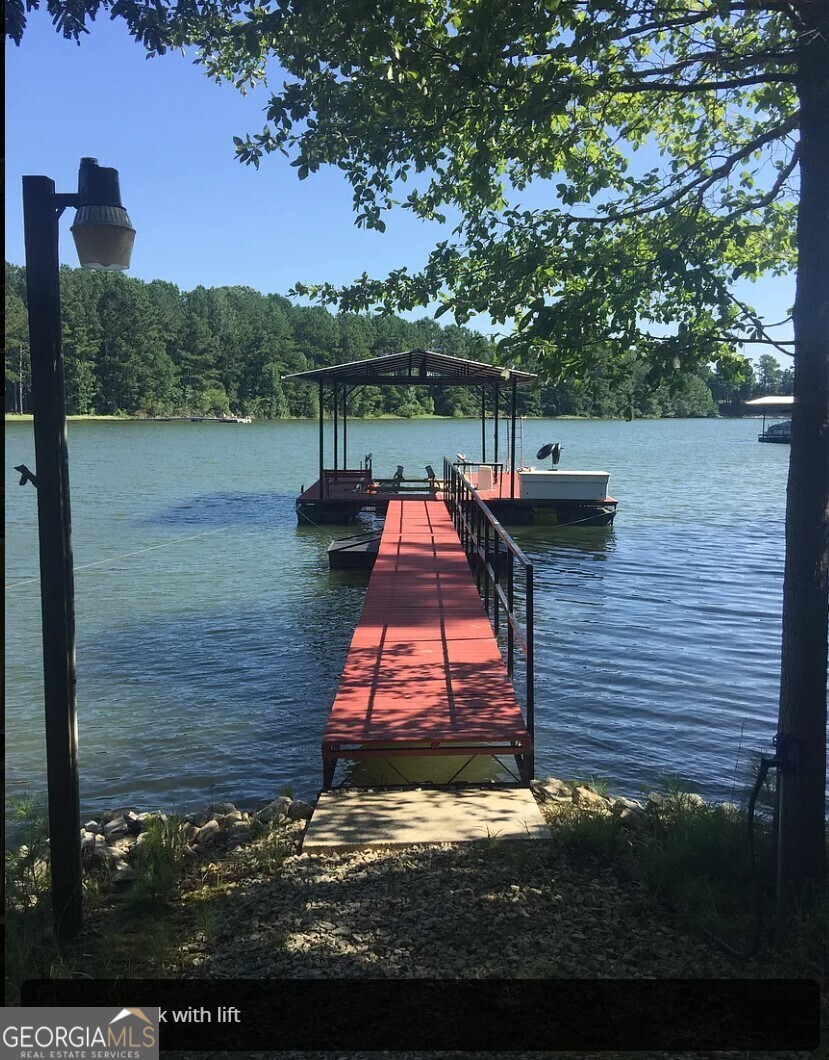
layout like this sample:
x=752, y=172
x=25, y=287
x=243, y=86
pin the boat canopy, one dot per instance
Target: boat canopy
x=415, y=368
x=772, y=401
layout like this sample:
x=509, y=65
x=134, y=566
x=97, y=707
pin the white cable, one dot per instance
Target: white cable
x=125, y=555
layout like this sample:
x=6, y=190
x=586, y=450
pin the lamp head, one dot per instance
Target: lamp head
x=102, y=231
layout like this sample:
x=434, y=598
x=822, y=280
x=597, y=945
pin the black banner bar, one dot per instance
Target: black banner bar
x=461, y=1014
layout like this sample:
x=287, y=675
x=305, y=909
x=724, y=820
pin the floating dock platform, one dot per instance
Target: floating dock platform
x=341, y=495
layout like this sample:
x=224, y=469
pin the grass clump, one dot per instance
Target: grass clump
x=695, y=858
x=598, y=784
x=27, y=870
x=31, y=949
x=160, y=861
x=272, y=848
x=143, y=928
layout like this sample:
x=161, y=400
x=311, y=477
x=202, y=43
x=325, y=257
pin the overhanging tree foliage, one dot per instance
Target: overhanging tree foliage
x=668, y=136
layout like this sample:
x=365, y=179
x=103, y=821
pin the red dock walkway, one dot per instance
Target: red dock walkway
x=424, y=675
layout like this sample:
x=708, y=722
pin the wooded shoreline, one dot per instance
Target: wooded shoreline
x=144, y=350
x=26, y=417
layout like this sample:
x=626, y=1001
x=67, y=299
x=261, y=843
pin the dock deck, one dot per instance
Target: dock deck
x=424, y=674
x=345, y=493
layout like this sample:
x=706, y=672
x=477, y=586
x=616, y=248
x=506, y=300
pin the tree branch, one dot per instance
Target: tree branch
x=700, y=86
x=772, y=193
x=701, y=183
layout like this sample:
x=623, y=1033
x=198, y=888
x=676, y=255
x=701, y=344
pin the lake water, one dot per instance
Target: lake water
x=211, y=634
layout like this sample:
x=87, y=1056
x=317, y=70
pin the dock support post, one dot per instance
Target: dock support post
x=336, y=431
x=526, y=767
x=57, y=588
x=322, y=440
x=530, y=619
x=512, y=455
x=497, y=399
x=345, y=425
x=483, y=424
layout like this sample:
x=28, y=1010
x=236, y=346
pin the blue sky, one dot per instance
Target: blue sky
x=201, y=217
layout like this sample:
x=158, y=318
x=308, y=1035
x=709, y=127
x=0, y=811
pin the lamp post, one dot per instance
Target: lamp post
x=103, y=237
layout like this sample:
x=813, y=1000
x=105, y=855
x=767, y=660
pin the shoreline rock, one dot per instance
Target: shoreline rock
x=114, y=839
x=559, y=798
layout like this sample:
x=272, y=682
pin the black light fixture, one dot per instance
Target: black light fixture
x=104, y=237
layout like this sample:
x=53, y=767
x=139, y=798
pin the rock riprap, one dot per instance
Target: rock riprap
x=115, y=837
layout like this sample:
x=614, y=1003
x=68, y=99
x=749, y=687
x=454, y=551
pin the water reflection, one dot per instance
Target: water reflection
x=227, y=509
x=597, y=542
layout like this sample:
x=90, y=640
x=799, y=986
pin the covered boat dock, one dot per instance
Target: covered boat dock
x=341, y=491
x=776, y=406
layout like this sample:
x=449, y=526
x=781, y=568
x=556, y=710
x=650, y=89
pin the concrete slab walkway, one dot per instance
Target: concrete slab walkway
x=359, y=820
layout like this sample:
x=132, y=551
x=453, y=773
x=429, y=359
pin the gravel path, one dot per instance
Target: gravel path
x=503, y=910
x=493, y=910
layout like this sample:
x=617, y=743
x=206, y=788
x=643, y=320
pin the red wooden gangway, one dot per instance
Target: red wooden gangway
x=424, y=675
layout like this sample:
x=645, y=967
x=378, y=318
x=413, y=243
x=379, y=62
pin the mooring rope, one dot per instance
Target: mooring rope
x=124, y=555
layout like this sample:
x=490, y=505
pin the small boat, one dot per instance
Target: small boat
x=219, y=419
x=777, y=432
x=354, y=553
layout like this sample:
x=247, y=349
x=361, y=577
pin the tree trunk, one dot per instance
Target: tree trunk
x=802, y=720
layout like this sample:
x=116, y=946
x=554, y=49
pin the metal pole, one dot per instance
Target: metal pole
x=486, y=560
x=57, y=593
x=335, y=403
x=497, y=398
x=497, y=581
x=512, y=426
x=483, y=424
x=530, y=608
x=322, y=440
x=345, y=426
x=511, y=608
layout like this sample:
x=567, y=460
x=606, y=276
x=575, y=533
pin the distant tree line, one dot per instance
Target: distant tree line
x=137, y=348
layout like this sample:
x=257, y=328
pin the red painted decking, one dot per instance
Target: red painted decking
x=423, y=674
